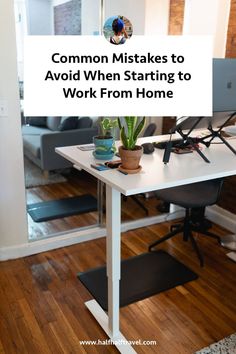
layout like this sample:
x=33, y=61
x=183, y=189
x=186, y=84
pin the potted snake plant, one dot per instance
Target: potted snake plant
x=130, y=153
x=105, y=143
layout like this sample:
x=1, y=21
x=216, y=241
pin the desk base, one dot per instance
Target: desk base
x=119, y=341
x=141, y=276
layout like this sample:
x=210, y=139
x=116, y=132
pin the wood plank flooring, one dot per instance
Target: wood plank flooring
x=78, y=183
x=228, y=194
x=42, y=302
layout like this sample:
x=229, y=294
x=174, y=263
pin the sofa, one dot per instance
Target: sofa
x=41, y=135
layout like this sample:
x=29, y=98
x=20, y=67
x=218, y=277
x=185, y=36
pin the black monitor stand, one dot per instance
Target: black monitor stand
x=206, y=140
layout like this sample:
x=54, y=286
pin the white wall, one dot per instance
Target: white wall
x=13, y=226
x=157, y=17
x=21, y=31
x=132, y=9
x=39, y=17
x=208, y=18
x=90, y=17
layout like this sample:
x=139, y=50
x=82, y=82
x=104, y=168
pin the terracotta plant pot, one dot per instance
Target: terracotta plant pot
x=130, y=158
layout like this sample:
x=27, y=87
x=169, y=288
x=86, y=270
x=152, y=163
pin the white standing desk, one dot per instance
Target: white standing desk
x=182, y=169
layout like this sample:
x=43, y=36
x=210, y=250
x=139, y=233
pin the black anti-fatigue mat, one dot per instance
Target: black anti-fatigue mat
x=141, y=277
x=56, y=209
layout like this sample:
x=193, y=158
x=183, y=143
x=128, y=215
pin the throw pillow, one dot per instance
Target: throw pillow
x=84, y=122
x=36, y=121
x=53, y=123
x=69, y=123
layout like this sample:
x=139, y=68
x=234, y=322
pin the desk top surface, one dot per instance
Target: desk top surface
x=181, y=169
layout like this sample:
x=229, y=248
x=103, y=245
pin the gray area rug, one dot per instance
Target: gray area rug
x=224, y=346
x=34, y=175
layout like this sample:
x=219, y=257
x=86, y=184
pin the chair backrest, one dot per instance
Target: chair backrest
x=206, y=192
x=150, y=130
x=194, y=195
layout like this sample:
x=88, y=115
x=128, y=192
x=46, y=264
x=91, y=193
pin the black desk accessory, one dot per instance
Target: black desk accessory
x=148, y=148
x=163, y=144
x=167, y=152
x=213, y=124
x=113, y=164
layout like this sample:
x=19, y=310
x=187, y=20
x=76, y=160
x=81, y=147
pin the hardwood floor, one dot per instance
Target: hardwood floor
x=42, y=302
x=228, y=194
x=78, y=183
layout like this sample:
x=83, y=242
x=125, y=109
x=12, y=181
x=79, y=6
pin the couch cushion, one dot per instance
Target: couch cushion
x=36, y=121
x=32, y=144
x=30, y=130
x=68, y=123
x=84, y=122
x=53, y=123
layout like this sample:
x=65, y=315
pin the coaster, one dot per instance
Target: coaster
x=130, y=172
x=102, y=156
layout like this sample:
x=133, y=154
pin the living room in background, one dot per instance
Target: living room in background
x=49, y=177
x=59, y=198
x=155, y=17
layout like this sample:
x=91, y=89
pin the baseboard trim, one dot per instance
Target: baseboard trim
x=214, y=213
x=222, y=217
x=136, y=224
x=47, y=244
x=69, y=239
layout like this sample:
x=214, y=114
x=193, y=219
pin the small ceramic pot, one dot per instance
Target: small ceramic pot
x=104, y=147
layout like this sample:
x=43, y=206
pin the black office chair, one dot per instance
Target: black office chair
x=193, y=197
x=149, y=131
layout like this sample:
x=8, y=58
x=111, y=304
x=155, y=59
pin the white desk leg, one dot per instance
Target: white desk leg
x=110, y=323
x=100, y=202
x=113, y=216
